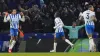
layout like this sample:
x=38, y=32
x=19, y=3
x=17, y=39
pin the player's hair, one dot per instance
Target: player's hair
x=57, y=14
x=90, y=6
x=13, y=9
x=74, y=22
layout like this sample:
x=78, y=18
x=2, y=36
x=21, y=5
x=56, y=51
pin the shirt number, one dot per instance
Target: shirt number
x=87, y=16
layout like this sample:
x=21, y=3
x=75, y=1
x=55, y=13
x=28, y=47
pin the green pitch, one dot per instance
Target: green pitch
x=81, y=45
x=52, y=54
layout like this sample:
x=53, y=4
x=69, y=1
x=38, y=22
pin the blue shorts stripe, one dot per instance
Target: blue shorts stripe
x=60, y=34
x=13, y=32
x=89, y=29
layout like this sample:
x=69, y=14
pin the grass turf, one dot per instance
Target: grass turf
x=53, y=54
x=81, y=45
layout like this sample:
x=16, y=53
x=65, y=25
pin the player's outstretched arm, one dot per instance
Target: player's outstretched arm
x=82, y=25
x=6, y=17
x=67, y=27
x=79, y=27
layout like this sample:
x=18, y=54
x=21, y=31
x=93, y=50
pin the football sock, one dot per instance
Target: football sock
x=66, y=40
x=91, y=43
x=12, y=44
x=55, y=45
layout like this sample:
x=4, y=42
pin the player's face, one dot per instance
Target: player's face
x=14, y=12
x=74, y=24
x=92, y=9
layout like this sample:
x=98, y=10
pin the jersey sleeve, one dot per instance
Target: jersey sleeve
x=21, y=18
x=93, y=17
x=67, y=27
x=56, y=23
x=81, y=14
x=6, y=18
x=79, y=27
x=93, y=14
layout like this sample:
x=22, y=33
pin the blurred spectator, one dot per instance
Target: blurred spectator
x=22, y=3
x=3, y=6
x=1, y=22
x=41, y=3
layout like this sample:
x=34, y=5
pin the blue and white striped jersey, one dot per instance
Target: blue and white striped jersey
x=14, y=20
x=58, y=25
x=87, y=15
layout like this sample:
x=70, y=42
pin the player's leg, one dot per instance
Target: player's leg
x=91, y=42
x=66, y=40
x=11, y=40
x=55, y=43
x=89, y=32
x=14, y=33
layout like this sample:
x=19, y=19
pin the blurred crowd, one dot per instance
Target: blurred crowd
x=39, y=14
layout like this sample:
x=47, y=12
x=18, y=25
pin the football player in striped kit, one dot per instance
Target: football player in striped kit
x=89, y=18
x=14, y=19
x=59, y=32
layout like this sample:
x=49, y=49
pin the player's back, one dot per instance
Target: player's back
x=87, y=15
x=59, y=25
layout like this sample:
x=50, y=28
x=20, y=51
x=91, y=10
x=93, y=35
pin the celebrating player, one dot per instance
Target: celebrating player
x=89, y=18
x=73, y=30
x=59, y=32
x=13, y=18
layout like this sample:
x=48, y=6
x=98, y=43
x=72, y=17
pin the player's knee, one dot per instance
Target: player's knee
x=63, y=38
x=90, y=35
x=13, y=38
x=55, y=40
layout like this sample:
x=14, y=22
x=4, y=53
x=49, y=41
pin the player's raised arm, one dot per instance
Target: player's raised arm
x=81, y=16
x=22, y=18
x=6, y=17
x=93, y=17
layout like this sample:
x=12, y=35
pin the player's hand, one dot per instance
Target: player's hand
x=6, y=13
x=21, y=13
x=54, y=27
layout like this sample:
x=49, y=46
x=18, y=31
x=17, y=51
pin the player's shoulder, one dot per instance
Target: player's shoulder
x=10, y=14
x=92, y=12
x=85, y=11
x=57, y=18
x=17, y=14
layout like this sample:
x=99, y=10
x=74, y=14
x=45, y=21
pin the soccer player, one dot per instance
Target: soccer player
x=13, y=18
x=89, y=18
x=73, y=30
x=59, y=32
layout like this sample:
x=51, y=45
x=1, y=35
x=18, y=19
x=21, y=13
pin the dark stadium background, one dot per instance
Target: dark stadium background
x=39, y=15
